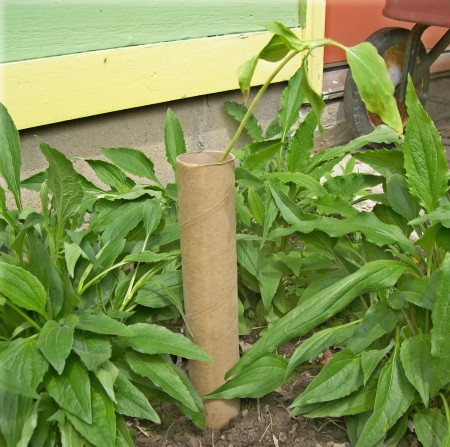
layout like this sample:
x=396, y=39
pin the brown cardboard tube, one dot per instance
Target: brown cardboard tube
x=208, y=254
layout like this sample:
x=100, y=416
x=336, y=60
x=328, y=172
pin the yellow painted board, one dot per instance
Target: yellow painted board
x=50, y=90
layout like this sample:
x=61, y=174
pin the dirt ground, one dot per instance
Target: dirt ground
x=266, y=422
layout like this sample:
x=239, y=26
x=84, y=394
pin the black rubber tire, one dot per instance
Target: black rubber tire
x=387, y=41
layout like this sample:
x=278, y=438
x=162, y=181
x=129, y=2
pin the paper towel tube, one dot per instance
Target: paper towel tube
x=208, y=255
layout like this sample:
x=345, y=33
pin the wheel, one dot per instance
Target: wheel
x=391, y=45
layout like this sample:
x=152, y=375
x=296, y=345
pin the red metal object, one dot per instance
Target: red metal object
x=427, y=12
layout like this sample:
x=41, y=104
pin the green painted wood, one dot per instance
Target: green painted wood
x=41, y=28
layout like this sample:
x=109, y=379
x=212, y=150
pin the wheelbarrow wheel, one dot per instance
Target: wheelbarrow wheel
x=391, y=45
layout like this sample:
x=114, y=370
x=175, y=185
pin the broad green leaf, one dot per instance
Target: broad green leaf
x=29, y=427
x=248, y=257
x=275, y=50
x=374, y=83
x=440, y=340
x=34, y=182
x=132, y=402
x=245, y=178
x=72, y=390
x=265, y=375
x=393, y=398
x=440, y=214
x=109, y=253
x=301, y=144
x=319, y=307
x=318, y=342
x=269, y=277
x=107, y=375
x=10, y=154
x=371, y=358
x=123, y=435
x=256, y=205
x=111, y=175
x=430, y=426
x=441, y=374
x=348, y=185
x=63, y=182
x=72, y=253
x=15, y=411
x=162, y=374
x=385, y=161
x=93, y=350
x=69, y=436
x=151, y=214
x=163, y=290
x=316, y=100
x=291, y=101
x=415, y=355
x=290, y=211
x=22, y=288
x=173, y=138
x=378, y=321
x=299, y=179
x=149, y=256
x=237, y=111
x=102, y=324
x=357, y=402
x=290, y=39
x=267, y=152
x=381, y=134
x=341, y=376
x=55, y=341
x=400, y=199
x=332, y=205
x=10, y=383
x=133, y=161
x=101, y=431
x=245, y=75
x=22, y=363
x=117, y=223
x=155, y=339
x=425, y=162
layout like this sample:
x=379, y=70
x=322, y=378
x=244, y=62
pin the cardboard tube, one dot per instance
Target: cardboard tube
x=209, y=266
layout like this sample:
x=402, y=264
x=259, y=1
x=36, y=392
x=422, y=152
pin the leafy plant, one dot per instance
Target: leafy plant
x=84, y=283
x=379, y=291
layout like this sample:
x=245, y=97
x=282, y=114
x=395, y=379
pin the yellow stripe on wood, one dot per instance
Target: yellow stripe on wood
x=50, y=90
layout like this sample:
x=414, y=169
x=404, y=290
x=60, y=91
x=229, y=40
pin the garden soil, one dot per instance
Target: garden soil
x=266, y=422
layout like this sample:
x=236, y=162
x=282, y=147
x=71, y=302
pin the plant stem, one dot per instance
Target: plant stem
x=23, y=315
x=82, y=289
x=447, y=410
x=255, y=101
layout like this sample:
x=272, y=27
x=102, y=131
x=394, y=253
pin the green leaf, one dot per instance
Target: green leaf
x=319, y=307
x=269, y=277
x=72, y=253
x=265, y=375
x=173, y=138
x=248, y=257
x=69, y=436
x=318, y=342
x=394, y=396
x=155, y=339
x=72, y=390
x=23, y=364
x=111, y=175
x=316, y=100
x=338, y=378
x=256, y=205
x=357, y=402
x=245, y=75
x=22, y=288
x=425, y=162
x=93, y=350
x=238, y=111
x=149, y=256
x=291, y=101
x=399, y=197
x=102, y=324
x=378, y=321
x=440, y=340
x=374, y=83
x=63, y=182
x=385, y=161
x=10, y=154
x=275, y=50
x=34, y=182
x=370, y=360
x=132, y=402
x=55, y=341
x=415, y=355
x=430, y=426
x=440, y=214
x=290, y=39
x=162, y=291
x=302, y=144
x=162, y=374
x=101, y=431
x=133, y=161
x=109, y=253
x=302, y=180
x=290, y=211
x=268, y=150
x=348, y=185
x=151, y=214
x=107, y=375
